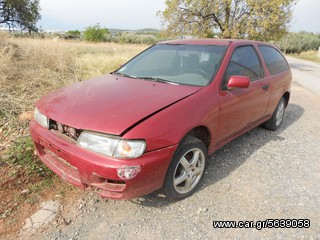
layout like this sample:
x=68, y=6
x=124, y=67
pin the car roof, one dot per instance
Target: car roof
x=210, y=41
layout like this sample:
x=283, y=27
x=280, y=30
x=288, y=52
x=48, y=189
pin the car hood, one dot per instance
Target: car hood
x=110, y=103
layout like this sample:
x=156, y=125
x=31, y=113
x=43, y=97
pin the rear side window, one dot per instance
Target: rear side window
x=276, y=63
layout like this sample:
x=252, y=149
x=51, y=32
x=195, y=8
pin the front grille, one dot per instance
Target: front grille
x=68, y=131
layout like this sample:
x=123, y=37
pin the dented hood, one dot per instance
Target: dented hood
x=110, y=104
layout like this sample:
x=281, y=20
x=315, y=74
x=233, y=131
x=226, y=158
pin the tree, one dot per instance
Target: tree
x=299, y=42
x=95, y=33
x=23, y=14
x=260, y=20
x=74, y=33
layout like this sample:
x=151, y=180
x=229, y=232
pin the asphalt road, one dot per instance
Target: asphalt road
x=261, y=175
x=306, y=74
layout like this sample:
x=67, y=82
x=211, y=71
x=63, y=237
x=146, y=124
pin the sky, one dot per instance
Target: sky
x=138, y=14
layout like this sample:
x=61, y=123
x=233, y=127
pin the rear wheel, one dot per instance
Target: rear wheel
x=277, y=117
x=186, y=169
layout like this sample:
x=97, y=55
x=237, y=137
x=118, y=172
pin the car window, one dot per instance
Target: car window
x=156, y=62
x=178, y=64
x=245, y=62
x=276, y=63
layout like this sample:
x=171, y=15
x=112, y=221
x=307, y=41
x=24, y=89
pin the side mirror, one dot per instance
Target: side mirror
x=238, y=82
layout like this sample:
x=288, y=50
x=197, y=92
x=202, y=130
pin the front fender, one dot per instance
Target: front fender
x=170, y=125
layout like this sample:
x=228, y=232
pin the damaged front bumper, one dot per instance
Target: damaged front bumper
x=114, y=178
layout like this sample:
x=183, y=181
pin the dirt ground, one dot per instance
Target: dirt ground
x=18, y=202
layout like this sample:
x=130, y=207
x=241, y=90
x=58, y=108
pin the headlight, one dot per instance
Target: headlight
x=40, y=118
x=111, y=146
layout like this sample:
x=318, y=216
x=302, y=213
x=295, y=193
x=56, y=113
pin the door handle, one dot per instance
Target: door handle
x=265, y=87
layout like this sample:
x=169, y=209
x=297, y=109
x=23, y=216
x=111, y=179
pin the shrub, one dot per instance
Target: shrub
x=75, y=33
x=137, y=38
x=95, y=33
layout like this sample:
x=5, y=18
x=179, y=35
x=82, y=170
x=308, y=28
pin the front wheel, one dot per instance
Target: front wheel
x=277, y=117
x=186, y=169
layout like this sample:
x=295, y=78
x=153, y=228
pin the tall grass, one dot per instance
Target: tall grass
x=31, y=68
x=308, y=55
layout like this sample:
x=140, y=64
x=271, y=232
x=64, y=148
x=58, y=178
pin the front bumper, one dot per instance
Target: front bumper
x=83, y=168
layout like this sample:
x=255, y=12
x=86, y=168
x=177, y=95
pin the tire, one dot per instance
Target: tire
x=186, y=169
x=277, y=117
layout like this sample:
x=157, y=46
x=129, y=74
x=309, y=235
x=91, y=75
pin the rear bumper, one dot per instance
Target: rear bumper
x=83, y=168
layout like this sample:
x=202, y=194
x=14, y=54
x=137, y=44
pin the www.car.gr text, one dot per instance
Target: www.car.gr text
x=268, y=223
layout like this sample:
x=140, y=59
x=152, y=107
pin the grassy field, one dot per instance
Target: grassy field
x=29, y=69
x=308, y=55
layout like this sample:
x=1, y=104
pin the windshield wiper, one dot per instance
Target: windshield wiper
x=156, y=79
x=124, y=75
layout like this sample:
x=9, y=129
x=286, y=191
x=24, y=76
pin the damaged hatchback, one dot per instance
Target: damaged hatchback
x=152, y=123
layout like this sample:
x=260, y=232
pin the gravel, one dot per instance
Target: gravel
x=258, y=176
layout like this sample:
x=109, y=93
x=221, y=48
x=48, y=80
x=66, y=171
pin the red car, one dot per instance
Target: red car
x=152, y=123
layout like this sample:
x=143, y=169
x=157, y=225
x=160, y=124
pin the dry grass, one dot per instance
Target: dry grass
x=101, y=58
x=308, y=55
x=31, y=68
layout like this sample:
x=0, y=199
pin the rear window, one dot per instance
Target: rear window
x=276, y=63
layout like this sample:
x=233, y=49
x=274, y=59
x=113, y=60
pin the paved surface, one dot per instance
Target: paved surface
x=258, y=176
x=306, y=74
x=45, y=215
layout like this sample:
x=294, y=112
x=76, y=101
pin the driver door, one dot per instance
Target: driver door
x=240, y=108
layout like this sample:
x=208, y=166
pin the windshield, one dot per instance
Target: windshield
x=176, y=64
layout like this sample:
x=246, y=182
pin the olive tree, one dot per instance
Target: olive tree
x=22, y=14
x=260, y=20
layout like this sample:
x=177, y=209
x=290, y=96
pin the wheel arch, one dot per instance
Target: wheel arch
x=286, y=97
x=202, y=133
